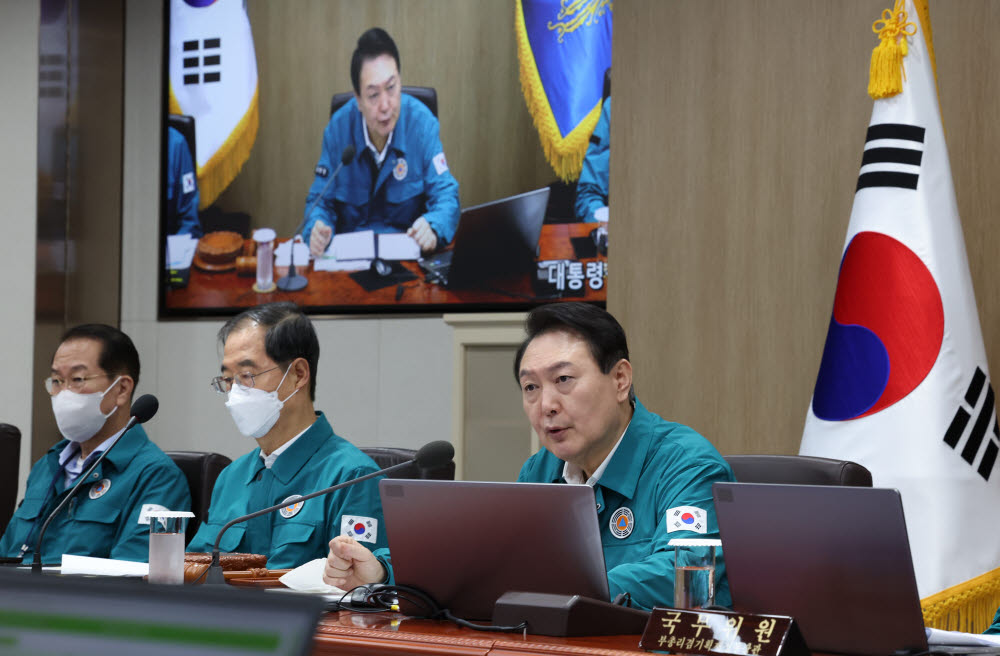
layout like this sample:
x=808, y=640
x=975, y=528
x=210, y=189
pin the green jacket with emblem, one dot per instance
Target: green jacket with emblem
x=659, y=466
x=103, y=525
x=293, y=536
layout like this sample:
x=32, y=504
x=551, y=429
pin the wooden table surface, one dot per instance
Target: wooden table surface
x=392, y=634
x=338, y=291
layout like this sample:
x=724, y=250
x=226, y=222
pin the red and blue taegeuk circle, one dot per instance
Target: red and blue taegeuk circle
x=885, y=333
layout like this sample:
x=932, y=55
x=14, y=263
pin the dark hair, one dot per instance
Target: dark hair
x=118, y=354
x=373, y=43
x=289, y=335
x=601, y=331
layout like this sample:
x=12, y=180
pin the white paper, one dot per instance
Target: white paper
x=957, y=638
x=352, y=246
x=309, y=578
x=281, y=254
x=180, y=251
x=397, y=246
x=333, y=264
x=102, y=566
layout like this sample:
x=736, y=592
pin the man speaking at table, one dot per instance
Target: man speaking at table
x=399, y=180
x=647, y=473
x=94, y=372
x=270, y=357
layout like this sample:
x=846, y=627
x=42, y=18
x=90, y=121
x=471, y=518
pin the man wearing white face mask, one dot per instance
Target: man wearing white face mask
x=270, y=356
x=94, y=372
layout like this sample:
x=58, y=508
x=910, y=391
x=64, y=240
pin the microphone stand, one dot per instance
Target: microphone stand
x=292, y=282
x=215, y=574
x=36, y=559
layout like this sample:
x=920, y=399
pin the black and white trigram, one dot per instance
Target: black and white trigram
x=202, y=61
x=973, y=451
x=893, y=152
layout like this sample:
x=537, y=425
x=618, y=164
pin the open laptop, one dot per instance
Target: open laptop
x=835, y=558
x=466, y=543
x=494, y=241
x=42, y=615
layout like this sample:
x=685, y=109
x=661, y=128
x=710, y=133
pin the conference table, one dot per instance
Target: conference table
x=391, y=634
x=339, y=290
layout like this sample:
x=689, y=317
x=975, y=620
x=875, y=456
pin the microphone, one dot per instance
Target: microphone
x=430, y=456
x=294, y=282
x=143, y=409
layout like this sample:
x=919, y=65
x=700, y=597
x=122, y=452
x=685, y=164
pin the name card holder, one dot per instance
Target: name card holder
x=713, y=632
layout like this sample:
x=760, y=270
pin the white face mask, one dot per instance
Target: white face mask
x=79, y=416
x=255, y=411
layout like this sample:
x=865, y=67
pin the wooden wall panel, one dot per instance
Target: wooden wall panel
x=463, y=48
x=738, y=132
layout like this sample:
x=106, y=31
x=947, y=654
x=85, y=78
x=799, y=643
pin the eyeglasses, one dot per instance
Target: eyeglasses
x=54, y=384
x=222, y=384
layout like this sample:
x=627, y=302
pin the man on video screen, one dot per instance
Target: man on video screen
x=398, y=179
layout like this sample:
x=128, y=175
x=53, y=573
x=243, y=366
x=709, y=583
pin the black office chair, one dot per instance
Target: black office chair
x=798, y=470
x=426, y=95
x=385, y=456
x=10, y=458
x=201, y=469
x=185, y=125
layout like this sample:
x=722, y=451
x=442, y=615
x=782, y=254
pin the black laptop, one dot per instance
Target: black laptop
x=835, y=558
x=75, y=615
x=466, y=543
x=494, y=242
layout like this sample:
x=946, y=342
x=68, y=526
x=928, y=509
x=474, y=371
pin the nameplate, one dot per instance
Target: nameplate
x=712, y=632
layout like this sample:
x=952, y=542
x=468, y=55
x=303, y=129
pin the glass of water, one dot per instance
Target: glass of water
x=166, y=545
x=694, y=572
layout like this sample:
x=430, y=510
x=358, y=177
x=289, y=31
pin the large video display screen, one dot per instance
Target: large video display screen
x=313, y=157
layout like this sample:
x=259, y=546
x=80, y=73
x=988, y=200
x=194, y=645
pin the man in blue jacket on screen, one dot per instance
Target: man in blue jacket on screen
x=398, y=180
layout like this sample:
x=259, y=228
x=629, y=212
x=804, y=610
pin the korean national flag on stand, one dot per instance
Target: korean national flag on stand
x=903, y=386
x=213, y=77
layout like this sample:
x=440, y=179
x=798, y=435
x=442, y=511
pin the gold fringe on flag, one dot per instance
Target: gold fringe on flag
x=564, y=154
x=968, y=607
x=226, y=163
x=886, y=75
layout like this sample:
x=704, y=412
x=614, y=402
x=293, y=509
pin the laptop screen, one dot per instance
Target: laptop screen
x=498, y=239
x=466, y=543
x=42, y=615
x=835, y=558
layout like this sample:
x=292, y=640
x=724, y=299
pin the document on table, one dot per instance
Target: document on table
x=352, y=246
x=397, y=246
x=102, y=566
x=282, y=258
x=957, y=638
x=180, y=251
x=353, y=251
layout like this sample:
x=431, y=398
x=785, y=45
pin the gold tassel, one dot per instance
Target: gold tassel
x=564, y=154
x=886, y=75
x=968, y=607
x=223, y=167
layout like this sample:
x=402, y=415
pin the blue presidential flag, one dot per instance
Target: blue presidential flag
x=564, y=49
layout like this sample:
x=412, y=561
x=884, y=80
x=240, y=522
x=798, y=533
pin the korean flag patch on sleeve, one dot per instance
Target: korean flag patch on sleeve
x=440, y=164
x=362, y=529
x=187, y=182
x=687, y=518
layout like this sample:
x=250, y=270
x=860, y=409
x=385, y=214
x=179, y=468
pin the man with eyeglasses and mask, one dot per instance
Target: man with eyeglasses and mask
x=94, y=372
x=270, y=356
